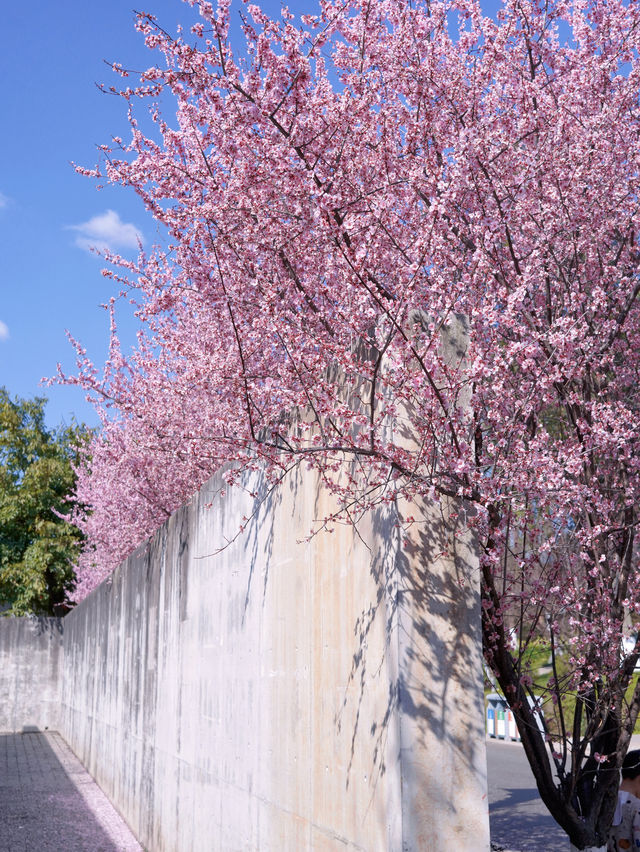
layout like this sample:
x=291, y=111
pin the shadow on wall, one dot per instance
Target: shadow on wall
x=46, y=626
x=425, y=585
x=428, y=593
x=440, y=589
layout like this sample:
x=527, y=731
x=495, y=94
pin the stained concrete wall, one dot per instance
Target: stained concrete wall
x=30, y=669
x=281, y=694
x=276, y=694
x=266, y=691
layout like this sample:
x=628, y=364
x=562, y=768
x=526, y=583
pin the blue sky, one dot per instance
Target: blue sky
x=53, y=55
x=52, y=113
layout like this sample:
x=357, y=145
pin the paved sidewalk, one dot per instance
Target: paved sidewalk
x=519, y=820
x=50, y=803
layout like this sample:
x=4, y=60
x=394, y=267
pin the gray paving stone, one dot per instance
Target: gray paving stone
x=50, y=803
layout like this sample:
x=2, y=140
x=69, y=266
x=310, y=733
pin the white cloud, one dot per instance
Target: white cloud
x=4, y=200
x=4, y=331
x=106, y=232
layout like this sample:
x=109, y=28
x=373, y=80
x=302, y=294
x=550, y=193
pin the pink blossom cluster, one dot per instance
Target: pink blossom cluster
x=333, y=198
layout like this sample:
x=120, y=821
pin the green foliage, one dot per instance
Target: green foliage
x=37, y=547
x=535, y=663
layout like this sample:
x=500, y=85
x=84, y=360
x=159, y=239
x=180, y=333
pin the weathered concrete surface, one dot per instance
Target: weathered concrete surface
x=270, y=691
x=285, y=695
x=30, y=669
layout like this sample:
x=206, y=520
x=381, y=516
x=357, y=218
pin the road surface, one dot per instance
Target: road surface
x=519, y=820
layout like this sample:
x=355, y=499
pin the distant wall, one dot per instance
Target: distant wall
x=30, y=669
x=285, y=696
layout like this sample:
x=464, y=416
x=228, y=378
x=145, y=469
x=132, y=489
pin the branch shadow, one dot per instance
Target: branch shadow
x=424, y=599
x=427, y=592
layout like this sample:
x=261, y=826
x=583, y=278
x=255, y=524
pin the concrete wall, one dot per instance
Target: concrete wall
x=270, y=691
x=30, y=669
x=279, y=693
x=285, y=695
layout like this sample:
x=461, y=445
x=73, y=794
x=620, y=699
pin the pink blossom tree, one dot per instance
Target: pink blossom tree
x=332, y=198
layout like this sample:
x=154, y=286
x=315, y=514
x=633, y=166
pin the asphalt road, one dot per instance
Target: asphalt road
x=49, y=802
x=519, y=820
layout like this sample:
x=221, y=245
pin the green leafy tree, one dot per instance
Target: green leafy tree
x=38, y=547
